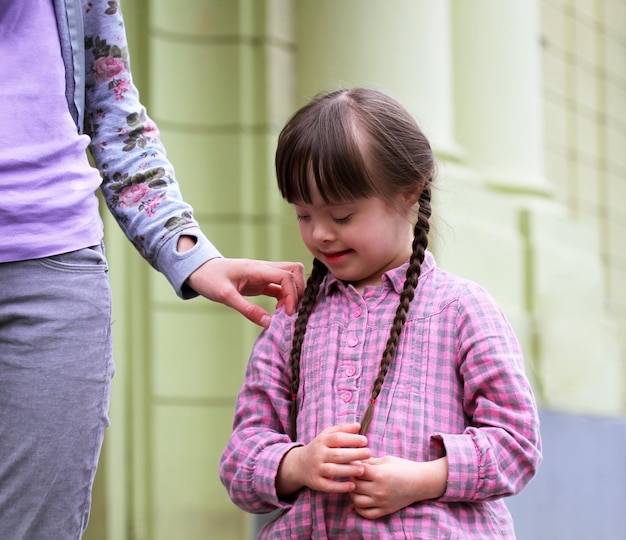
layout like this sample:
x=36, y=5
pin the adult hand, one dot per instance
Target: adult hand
x=389, y=484
x=325, y=463
x=228, y=281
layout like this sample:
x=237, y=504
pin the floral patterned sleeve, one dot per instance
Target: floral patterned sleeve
x=139, y=184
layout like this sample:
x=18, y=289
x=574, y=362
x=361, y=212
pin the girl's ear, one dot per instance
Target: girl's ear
x=408, y=204
x=408, y=199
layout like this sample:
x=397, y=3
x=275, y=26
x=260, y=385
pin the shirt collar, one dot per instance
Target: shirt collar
x=393, y=278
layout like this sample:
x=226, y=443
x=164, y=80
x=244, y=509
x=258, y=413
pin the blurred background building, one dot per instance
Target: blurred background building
x=525, y=104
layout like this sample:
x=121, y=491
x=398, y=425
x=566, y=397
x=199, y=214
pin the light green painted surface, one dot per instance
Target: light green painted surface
x=497, y=99
x=585, y=111
x=207, y=163
x=202, y=90
x=577, y=345
x=189, y=502
x=188, y=365
x=196, y=18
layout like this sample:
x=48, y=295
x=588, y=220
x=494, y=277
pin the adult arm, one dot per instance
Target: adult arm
x=141, y=190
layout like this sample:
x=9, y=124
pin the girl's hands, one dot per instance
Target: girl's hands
x=338, y=461
x=325, y=464
x=389, y=484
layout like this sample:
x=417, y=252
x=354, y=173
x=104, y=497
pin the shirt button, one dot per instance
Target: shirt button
x=350, y=371
x=353, y=342
x=347, y=396
x=357, y=313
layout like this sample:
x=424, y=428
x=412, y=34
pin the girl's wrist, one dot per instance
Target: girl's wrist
x=438, y=471
x=287, y=477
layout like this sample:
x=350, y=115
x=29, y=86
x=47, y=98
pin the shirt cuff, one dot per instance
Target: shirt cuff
x=177, y=267
x=464, y=465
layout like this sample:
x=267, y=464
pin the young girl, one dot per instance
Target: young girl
x=395, y=404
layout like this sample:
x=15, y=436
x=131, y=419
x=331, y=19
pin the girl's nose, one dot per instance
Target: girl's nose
x=323, y=233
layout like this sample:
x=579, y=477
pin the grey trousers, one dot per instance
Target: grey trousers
x=55, y=377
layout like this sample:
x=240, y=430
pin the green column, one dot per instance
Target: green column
x=215, y=86
x=400, y=46
x=498, y=99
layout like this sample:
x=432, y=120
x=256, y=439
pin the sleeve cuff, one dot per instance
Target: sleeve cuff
x=177, y=267
x=464, y=465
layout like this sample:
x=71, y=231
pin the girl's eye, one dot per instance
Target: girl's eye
x=302, y=217
x=343, y=220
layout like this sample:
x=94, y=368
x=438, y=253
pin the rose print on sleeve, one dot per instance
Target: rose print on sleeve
x=138, y=191
x=142, y=132
x=132, y=195
x=106, y=68
x=151, y=205
x=110, y=65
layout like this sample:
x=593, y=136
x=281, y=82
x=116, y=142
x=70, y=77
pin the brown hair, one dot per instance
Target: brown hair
x=355, y=144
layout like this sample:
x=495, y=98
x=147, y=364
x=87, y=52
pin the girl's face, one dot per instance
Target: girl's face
x=359, y=240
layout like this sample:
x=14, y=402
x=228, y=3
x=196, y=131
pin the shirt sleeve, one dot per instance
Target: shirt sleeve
x=500, y=450
x=139, y=184
x=259, y=440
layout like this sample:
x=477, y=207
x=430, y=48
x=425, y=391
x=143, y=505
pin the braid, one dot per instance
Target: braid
x=423, y=219
x=420, y=242
x=308, y=302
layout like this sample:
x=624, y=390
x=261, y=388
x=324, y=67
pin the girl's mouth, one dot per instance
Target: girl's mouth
x=336, y=256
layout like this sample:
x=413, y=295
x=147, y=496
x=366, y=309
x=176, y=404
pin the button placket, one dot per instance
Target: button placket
x=350, y=363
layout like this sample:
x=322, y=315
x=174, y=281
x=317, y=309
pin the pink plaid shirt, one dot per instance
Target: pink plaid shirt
x=456, y=387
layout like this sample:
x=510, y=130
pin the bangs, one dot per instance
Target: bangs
x=319, y=147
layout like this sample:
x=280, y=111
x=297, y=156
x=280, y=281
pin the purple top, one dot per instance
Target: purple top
x=69, y=61
x=456, y=387
x=47, y=186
